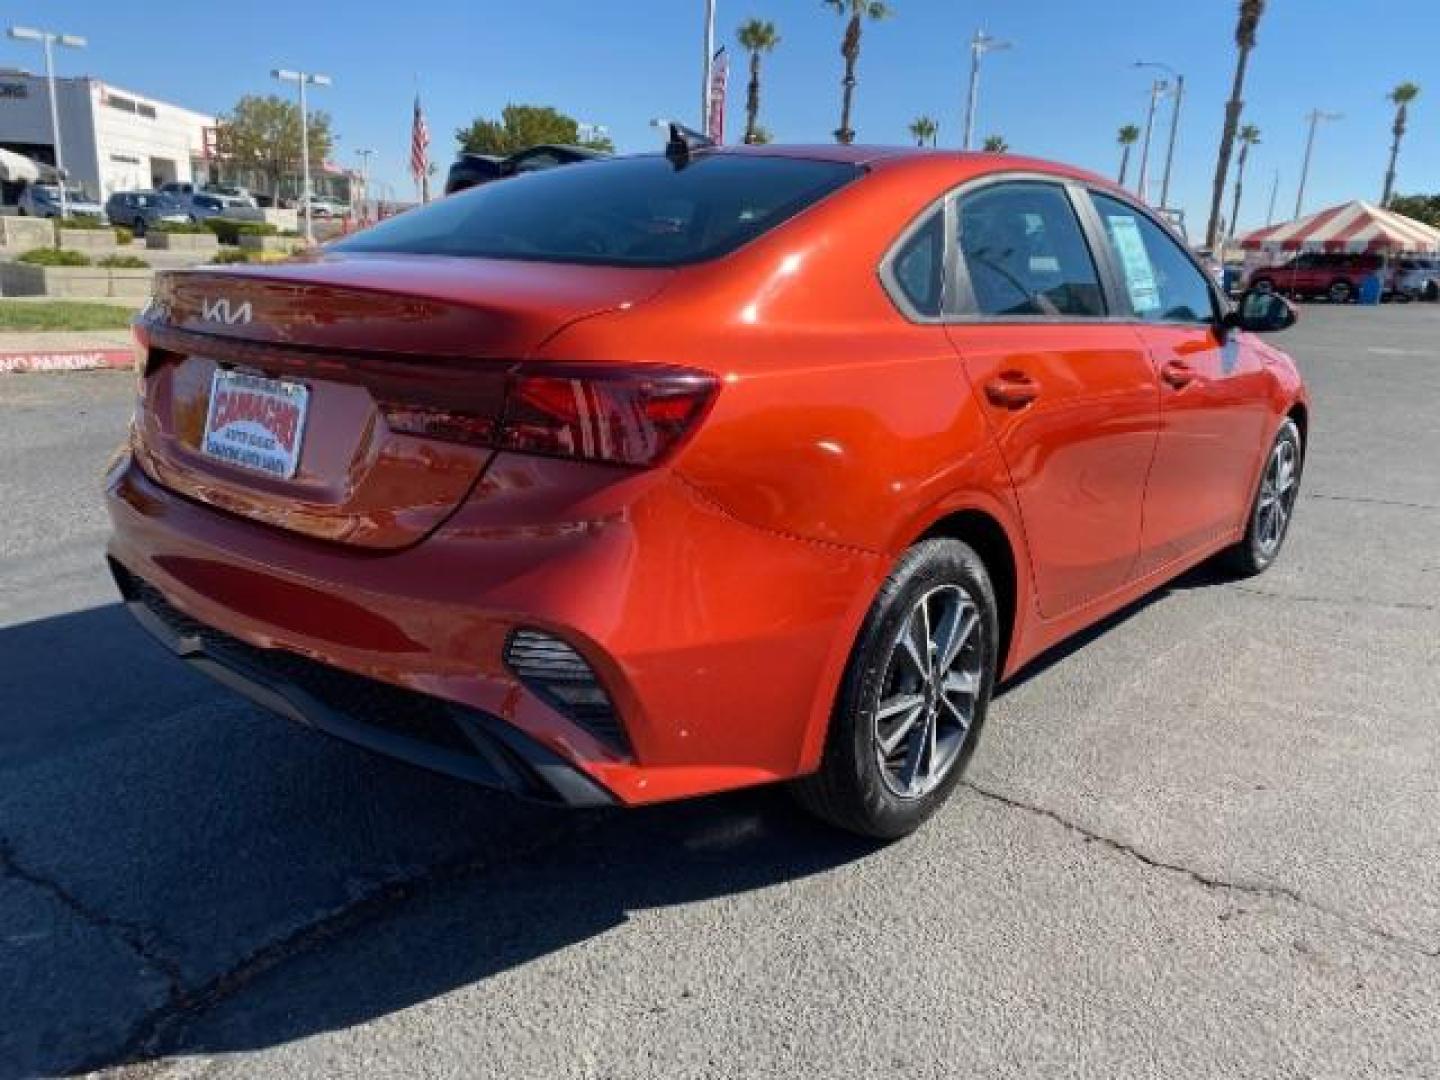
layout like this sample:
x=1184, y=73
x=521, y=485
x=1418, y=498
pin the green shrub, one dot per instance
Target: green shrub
x=54, y=257
x=229, y=232
x=124, y=262
x=123, y=235
x=232, y=255
x=186, y=227
x=87, y=223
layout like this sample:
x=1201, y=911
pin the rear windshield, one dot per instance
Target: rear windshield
x=634, y=211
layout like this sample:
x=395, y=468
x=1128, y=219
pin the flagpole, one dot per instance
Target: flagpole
x=705, y=74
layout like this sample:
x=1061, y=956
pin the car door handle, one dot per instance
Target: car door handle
x=1178, y=374
x=1011, y=390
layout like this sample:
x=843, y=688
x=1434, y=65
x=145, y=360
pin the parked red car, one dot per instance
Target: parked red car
x=1335, y=276
x=669, y=475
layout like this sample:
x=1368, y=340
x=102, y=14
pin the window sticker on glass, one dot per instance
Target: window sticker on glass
x=1135, y=262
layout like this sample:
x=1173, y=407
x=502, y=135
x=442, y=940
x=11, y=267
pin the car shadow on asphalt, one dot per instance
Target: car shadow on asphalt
x=182, y=873
x=193, y=876
x=1199, y=577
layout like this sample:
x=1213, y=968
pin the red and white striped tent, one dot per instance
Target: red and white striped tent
x=1354, y=228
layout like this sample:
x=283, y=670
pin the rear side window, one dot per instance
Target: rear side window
x=1163, y=281
x=1024, y=253
x=634, y=211
x=918, y=267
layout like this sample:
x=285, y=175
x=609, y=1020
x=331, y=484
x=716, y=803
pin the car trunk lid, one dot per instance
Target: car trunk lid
x=298, y=360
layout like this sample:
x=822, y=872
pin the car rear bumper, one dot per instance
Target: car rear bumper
x=434, y=734
x=719, y=644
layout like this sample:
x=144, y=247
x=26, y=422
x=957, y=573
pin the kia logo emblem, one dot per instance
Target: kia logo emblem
x=220, y=310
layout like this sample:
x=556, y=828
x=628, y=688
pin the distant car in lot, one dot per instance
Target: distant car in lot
x=471, y=170
x=1417, y=278
x=43, y=200
x=182, y=191
x=232, y=191
x=1334, y=275
x=200, y=206
x=139, y=210
x=328, y=206
x=674, y=474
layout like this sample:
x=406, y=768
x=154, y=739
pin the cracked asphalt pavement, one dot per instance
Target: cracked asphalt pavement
x=1203, y=840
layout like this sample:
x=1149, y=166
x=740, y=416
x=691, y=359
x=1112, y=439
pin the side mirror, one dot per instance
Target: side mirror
x=1262, y=313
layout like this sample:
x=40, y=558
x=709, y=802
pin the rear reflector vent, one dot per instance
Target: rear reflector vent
x=560, y=675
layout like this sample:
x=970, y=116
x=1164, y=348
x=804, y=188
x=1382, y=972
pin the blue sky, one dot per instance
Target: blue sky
x=1061, y=93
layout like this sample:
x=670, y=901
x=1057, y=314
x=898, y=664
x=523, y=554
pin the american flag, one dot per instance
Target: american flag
x=419, y=146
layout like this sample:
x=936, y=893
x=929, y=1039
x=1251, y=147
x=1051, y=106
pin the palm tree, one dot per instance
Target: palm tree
x=1249, y=136
x=858, y=11
x=996, y=144
x=923, y=129
x=756, y=37
x=1129, y=136
x=1250, y=12
x=1402, y=96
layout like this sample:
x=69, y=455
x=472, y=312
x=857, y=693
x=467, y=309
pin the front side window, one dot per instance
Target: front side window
x=1163, y=282
x=631, y=211
x=1024, y=254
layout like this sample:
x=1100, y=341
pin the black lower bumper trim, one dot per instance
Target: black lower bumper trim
x=426, y=731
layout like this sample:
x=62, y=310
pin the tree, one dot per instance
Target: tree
x=858, y=11
x=1249, y=136
x=756, y=37
x=1401, y=96
x=1424, y=208
x=924, y=129
x=1245, y=26
x=522, y=126
x=262, y=135
x=1128, y=137
x=995, y=144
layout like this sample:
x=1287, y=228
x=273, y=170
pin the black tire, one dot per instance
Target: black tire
x=1340, y=292
x=1254, y=554
x=853, y=789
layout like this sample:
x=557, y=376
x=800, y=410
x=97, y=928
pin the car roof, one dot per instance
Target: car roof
x=977, y=162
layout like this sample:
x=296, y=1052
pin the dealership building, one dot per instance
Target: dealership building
x=113, y=139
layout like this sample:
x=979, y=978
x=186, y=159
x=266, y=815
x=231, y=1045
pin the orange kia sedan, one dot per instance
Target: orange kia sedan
x=680, y=473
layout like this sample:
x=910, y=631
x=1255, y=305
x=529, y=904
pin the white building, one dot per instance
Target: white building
x=113, y=140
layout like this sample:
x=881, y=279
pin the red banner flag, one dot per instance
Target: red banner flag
x=719, y=77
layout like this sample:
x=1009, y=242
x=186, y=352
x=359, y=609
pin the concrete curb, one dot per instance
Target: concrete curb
x=66, y=360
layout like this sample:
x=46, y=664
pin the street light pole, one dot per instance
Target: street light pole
x=1157, y=90
x=1174, y=123
x=1274, y=190
x=364, y=155
x=980, y=44
x=48, y=40
x=706, y=70
x=1316, y=115
x=304, y=79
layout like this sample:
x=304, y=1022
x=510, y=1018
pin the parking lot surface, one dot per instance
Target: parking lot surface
x=1201, y=841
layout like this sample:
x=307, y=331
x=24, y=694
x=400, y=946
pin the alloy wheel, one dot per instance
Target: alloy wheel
x=929, y=692
x=1278, y=489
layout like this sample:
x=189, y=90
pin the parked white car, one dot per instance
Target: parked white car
x=1418, y=277
x=43, y=200
x=203, y=205
x=324, y=206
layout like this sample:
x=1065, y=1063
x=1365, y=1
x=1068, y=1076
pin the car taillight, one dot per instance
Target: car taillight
x=619, y=415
